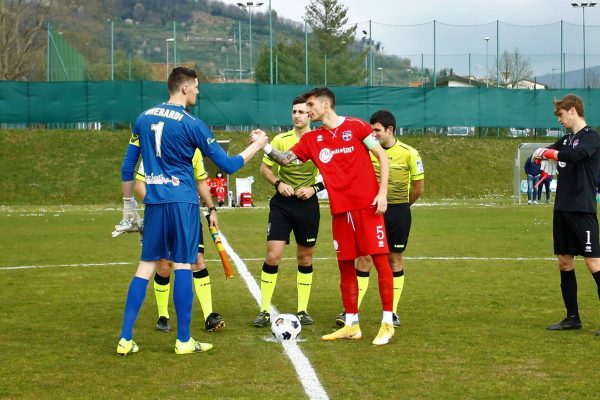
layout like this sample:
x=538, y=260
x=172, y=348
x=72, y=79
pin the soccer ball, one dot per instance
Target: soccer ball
x=285, y=327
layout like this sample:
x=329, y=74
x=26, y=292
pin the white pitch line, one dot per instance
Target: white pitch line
x=67, y=265
x=306, y=373
x=424, y=258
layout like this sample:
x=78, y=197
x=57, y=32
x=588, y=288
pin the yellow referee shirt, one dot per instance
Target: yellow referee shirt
x=296, y=174
x=405, y=166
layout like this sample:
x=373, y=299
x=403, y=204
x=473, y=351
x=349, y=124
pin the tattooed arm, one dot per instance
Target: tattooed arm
x=279, y=157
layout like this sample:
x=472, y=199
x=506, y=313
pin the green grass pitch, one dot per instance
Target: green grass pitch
x=481, y=286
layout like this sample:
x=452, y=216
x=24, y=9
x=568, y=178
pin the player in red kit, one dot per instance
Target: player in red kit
x=340, y=150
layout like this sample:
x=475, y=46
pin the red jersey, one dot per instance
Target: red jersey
x=343, y=161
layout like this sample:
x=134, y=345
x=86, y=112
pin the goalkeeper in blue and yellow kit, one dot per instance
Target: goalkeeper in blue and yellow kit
x=213, y=321
x=168, y=136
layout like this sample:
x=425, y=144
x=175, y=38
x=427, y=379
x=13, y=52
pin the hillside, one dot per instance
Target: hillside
x=207, y=34
x=75, y=167
x=573, y=78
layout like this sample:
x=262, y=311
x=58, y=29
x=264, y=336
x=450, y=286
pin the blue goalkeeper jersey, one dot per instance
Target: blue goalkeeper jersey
x=167, y=136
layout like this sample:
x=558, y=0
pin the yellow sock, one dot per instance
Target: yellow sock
x=203, y=291
x=268, y=280
x=363, y=285
x=162, y=292
x=398, y=286
x=304, y=284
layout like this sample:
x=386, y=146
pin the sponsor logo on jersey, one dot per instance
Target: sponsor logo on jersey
x=346, y=136
x=325, y=155
x=161, y=180
x=320, y=138
x=210, y=140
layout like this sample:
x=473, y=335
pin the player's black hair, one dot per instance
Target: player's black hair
x=299, y=100
x=179, y=76
x=322, y=92
x=385, y=118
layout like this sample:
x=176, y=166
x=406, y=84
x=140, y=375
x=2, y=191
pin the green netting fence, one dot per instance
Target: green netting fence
x=65, y=63
x=269, y=105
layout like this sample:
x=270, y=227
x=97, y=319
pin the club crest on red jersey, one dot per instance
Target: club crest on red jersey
x=347, y=135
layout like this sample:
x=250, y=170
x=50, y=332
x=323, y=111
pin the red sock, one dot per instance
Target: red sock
x=386, y=281
x=349, y=286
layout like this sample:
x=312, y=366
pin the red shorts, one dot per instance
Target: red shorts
x=358, y=233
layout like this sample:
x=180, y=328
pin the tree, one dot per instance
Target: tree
x=289, y=64
x=514, y=67
x=140, y=69
x=333, y=42
x=332, y=51
x=23, y=28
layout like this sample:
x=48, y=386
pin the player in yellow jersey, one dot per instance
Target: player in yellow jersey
x=162, y=288
x=406, y=185
x=294, y=207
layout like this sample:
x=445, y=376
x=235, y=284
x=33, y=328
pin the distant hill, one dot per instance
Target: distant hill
x=208, y=36
x=573, y=79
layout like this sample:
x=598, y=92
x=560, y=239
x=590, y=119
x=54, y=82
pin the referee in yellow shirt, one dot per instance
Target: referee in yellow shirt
x=294, y=207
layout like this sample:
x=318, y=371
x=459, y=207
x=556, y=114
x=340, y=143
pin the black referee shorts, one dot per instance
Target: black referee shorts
x=397, y=226
x=289, y=214
x=576, y=234
x=201, y=242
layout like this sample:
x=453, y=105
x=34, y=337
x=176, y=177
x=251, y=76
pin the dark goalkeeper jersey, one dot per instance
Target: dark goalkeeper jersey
x=578, y=169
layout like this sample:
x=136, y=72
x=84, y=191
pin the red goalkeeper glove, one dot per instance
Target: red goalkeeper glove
x=545, y=154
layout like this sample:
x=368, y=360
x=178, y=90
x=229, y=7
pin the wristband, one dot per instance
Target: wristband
x=319, y=186
x=213, y=208
x=277, y=183
x=268, y=148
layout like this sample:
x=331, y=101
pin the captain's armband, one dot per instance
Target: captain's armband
x=370, y=142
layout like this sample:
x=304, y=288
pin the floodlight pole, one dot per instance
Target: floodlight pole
x=305, y=53
x=248, y=7
x=167, y=41
x=487, y=70
x=174, y=45
x=240, y=46
x=583, y=6
x=112, y=50
x=270, y=44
